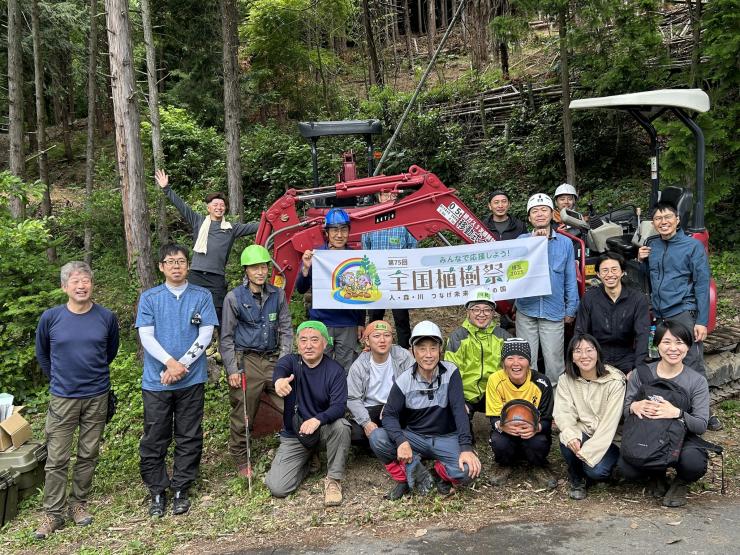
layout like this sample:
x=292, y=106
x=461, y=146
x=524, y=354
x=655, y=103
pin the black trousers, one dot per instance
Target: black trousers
x=508, y=449
x=215, y=283
x=358, y=436
x=691, y=465
x=401, y=319
x=181, y=411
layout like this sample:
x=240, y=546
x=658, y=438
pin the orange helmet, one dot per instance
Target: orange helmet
x=519, y=410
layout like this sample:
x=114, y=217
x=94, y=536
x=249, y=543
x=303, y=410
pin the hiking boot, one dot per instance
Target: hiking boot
x=444, y=488
x=79, y=515
x=314, y=465
x=48, y=525
x=545, y=478
x=401, y=489
x=419, y=478
x=158, y=505
x=500, y=475
x=714, y=424
x=676, y=494
x=180, y=503
x=657, y=486
x=332, y=493
x=578, y=490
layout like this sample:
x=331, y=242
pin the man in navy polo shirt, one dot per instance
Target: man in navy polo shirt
x=175, y=322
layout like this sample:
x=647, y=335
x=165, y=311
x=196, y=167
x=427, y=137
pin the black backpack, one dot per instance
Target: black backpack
x=654, y=444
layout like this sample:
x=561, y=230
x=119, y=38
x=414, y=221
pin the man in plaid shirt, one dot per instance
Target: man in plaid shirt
x=393, y=238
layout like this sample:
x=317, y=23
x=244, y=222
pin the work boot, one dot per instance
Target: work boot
x=314, y=465
x=657, y=486
x=332, y=492
x=443, y=486
x=180, y=503
x=578, y=489
x=158, y=505
x=79, y=515
x=401, y=489
x=419, y=478
x=49, y=524
x=676, y=494
x=714, y=424
x=545, y=478
x=500, y=475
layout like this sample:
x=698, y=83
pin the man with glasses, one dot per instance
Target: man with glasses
x=679, y=281
x=393, y=238
x=175, y=322
x=345, y=327
x=617, y=316
x=475, y=348
x=314, y=389
x=425, y=418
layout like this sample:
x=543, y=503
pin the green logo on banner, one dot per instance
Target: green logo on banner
x=517, y=270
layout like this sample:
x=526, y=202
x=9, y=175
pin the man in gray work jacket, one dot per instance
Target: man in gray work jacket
x=213, y=237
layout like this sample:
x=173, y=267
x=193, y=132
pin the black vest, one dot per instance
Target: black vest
x=257, y=326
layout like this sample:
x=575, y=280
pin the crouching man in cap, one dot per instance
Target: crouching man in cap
x=314, y=388
x=425, y=417
x=519, y=402
x=371, y=377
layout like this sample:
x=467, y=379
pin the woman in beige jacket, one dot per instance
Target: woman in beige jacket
x=588, y=406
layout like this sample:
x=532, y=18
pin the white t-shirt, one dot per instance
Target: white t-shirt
x=381, y=381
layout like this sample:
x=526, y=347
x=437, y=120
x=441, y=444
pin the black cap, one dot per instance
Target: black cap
x=516, y=346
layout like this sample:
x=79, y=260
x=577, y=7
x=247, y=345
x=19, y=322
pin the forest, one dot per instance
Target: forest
x=101, y=93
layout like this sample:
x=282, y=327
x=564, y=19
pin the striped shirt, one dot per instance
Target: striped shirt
x=393, y=238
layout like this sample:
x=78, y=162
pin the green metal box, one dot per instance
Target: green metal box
x=27, y=462
x=8, y=496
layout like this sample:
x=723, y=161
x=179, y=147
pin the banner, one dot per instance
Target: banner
x=423, y=278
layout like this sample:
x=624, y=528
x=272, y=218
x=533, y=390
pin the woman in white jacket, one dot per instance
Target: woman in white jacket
x=588, y=407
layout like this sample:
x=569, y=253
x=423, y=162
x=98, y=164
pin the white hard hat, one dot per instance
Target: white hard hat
x=425, y=329
x=565, y=189
x=480, y=295
x=539, y=199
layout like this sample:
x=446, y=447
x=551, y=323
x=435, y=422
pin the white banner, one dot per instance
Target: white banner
x=422, y=278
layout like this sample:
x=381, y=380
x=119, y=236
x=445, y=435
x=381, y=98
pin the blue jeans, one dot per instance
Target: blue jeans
x=578, y=470
x=444, y=449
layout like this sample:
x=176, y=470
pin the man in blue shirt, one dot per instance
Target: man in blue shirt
x=175, y=322
x=75, y=344
x=541, y=320
x=393, y=238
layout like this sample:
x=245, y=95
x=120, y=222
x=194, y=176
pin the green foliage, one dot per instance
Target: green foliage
x=28, y=286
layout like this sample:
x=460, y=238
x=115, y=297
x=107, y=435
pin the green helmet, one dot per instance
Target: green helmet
x=255, y=254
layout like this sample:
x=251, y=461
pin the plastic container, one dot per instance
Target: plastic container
x=8, y=496
x=28, y=463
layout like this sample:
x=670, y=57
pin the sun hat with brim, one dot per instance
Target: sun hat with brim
x=318, y=326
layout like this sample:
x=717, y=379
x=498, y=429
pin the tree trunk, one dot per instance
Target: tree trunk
x=92, y=68
x=407, y=32
x=15, y=102
x=153, y=100
x=570, y=164
x=128, y=142
x=61, y=107
x=38, y=75
x=420, y=16
x=376, y=75
x=695, y=8
x=431, y=26
x=232, y=108
x=480, y=13
x=445, y=19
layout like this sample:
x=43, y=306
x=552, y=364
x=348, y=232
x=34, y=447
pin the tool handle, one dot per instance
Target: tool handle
x=244, y=381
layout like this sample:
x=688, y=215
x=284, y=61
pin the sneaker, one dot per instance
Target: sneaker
x=500, y=475
x=180, y=503
x=657, y=486
x=158, y=505
x=401, y=489
x=714, y=424
x=332, y=493
x=545, y=478
x=79, y=515
x=577, y=490
x=419, y=478
x=49, y=524
x=314, y=465
x=676, y=494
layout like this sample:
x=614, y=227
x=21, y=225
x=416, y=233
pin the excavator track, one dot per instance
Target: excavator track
x=722, y=360
x=722, y=339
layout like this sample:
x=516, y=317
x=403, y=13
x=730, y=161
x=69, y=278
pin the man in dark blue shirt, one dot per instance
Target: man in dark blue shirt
x=75, y=344
x=314, y=388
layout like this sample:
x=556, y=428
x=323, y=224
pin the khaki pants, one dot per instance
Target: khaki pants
x=258, y=369
x=62, y=419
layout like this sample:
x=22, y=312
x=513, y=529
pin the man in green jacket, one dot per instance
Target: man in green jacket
x=475, y=348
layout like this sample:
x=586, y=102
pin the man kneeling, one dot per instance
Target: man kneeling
x=425, y=418
x=519, y=430
x=314, y=388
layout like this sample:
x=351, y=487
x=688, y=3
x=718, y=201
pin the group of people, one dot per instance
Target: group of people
x=410, y=401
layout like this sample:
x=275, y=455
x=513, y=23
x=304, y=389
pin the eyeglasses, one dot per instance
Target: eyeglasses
x=615, y=270
x=178, y=262
x=338, y=230
x=666, y=218
x=587, y=351
x=479, y=311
